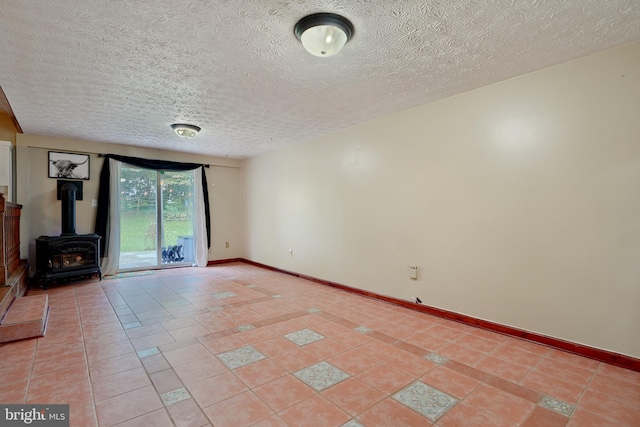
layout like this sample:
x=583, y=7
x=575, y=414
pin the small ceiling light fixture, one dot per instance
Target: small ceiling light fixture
x=323, y=34
x=184, y=130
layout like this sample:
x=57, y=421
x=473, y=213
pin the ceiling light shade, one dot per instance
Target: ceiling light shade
x=185, y=130
x=323, y=34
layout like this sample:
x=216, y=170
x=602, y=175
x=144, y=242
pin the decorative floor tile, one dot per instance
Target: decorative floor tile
x=148, y=352
x=428, y=401
x=556, y=405
x=436, y=358
x=185, y=290
x=175, y=396
x=222, y=295
x=321, y=375
x=304, y=337
x=131, y=325
x=138, y=382
x=240, y=357
x=175, y=303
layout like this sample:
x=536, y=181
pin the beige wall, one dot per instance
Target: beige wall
x=41, y=212
x=519, y=202
x=7, y=129
x=7, y=166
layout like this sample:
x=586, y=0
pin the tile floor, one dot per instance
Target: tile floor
x=237, y=345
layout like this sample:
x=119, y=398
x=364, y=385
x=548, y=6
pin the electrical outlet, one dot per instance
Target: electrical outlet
x=290, y=252
x=413, y=272
x=226, y=245
x=94, y=203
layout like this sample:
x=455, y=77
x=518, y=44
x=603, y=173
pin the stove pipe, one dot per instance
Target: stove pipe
x=68, y=197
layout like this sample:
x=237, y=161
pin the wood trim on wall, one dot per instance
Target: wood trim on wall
x=605, y=356
x=6, y=107
x=224, y=261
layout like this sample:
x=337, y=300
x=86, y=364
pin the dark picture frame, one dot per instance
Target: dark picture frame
x=69, y=165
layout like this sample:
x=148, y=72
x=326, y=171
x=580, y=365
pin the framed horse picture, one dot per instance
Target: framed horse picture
x=68, y=165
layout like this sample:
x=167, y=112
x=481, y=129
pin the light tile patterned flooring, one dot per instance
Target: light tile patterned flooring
x=236, y=345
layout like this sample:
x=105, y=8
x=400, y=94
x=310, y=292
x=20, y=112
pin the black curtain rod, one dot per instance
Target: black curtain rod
x=105, y=155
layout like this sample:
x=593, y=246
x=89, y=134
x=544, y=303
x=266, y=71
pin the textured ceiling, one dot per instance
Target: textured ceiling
x=122, y=71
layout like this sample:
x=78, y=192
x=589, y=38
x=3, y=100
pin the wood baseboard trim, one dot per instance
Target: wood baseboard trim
x=606, y=356
x=223, y=261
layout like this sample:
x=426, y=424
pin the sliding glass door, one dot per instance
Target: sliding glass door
x=156, y=218
x=176, y=229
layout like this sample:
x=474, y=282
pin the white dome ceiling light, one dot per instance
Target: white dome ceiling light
x=184, y=130
x=323, y=34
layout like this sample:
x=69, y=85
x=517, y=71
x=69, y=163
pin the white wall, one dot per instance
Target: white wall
x=519, y=202
x=41, y=210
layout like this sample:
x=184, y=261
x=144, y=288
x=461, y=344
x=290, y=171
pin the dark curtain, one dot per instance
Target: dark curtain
x=102, y=216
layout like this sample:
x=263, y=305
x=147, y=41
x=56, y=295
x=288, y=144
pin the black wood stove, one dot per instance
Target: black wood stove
x=69, y=255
